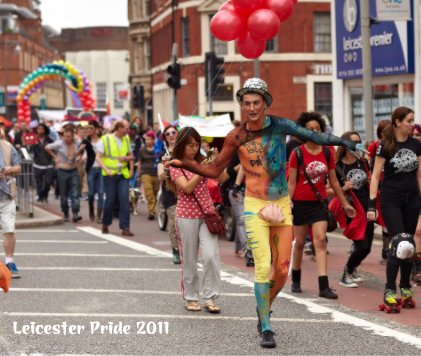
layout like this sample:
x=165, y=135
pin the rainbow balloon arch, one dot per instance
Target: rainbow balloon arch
x=75, y=80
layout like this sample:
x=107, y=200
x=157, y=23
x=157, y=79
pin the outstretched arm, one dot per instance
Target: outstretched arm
x=291, y=128
x=214, y=168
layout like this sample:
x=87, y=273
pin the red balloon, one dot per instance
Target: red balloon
x=294, y=1
x=283, y=8
x=263, y=24
x=227, y=25
x=246, y=7
x=249, y=47
x=228, y=5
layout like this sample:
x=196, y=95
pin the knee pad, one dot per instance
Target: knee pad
x=402, y=246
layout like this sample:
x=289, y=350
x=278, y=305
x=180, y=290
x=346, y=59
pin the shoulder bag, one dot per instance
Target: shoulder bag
x=213, y=220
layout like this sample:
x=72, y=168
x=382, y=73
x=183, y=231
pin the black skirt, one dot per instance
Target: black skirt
x=307, y=212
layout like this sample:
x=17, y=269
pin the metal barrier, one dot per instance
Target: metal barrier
x=25, y=186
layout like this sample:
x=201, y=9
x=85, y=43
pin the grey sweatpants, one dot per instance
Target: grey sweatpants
x=194, y=234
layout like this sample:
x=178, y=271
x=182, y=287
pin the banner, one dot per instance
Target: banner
x=213, y=126
x=393, y=10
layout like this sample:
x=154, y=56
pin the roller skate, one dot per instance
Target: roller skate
x=390, y=302
x=407, y=296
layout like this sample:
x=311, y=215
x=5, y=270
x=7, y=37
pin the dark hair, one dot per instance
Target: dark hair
x=306, y=117
x=340, y=152
x=390, y=145
x=417, y=128
x=185, y=136
x=69, y=129
x=46, y=129
x=381, y=126
x=163, y=137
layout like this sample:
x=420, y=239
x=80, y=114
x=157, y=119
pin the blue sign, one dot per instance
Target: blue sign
x=392, y=43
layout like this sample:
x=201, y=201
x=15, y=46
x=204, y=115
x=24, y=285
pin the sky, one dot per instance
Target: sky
x=83, y=13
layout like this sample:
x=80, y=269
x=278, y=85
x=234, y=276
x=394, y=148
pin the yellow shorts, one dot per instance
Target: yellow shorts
x=259, y=233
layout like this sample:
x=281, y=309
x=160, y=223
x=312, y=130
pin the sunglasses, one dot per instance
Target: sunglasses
x=171, y=133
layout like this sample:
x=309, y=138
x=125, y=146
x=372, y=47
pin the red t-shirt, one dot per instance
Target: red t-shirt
x=317, y=169
x=186, y=204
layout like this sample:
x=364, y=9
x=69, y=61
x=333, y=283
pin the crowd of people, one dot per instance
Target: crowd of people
x=278, y=192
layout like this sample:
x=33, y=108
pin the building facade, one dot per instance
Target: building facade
x=102, y=53
x=140, y=59
x=24, y=46
x=395, y=65
x=297, y=63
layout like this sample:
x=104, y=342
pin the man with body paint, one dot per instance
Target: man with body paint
x=260, y=141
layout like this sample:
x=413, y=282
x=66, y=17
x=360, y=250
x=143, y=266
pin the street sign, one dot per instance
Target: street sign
x=2, y=101
x=393, y=10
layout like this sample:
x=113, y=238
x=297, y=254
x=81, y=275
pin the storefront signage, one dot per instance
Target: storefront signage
x=392, y=42
x=393, y=10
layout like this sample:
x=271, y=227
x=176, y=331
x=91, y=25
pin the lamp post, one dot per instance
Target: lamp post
x=17, y=49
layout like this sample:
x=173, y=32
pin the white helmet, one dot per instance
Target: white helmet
x=405, y=250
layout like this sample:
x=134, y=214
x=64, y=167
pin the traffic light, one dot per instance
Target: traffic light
x=138, y=97
x=174, y=80
x=214, y=71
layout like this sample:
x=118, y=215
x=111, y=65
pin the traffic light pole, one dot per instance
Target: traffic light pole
x=174, y=99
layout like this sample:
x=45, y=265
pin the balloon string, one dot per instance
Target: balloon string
x=210, y=85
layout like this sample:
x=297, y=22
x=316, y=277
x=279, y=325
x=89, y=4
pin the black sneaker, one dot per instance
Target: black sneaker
x=268, y=342
x=328, y=293
x=76, y=217
x=66, y=217
x=259, y=322
x=296, y=287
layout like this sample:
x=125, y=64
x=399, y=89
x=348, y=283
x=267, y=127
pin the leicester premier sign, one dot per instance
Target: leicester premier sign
x=392, y=42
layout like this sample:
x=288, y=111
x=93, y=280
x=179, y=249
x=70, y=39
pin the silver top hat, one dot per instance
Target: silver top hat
x=255, y=86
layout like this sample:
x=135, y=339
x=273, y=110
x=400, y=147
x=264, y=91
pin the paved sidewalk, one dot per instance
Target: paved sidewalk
x=41, y=218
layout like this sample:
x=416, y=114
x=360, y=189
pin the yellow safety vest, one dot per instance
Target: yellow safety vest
x=112, y=151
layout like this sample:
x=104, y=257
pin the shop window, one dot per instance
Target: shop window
x=118, y=104
x=272, y=45
x=322, y=33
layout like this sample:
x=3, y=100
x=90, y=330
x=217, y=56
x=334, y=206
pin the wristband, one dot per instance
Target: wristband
x=372, y=205
x=235, y=190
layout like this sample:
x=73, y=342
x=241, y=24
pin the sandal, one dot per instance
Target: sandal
x=192, y=306
x=211, y=307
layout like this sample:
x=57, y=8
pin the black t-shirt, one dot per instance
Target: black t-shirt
x=356, y=173
x=400, y=171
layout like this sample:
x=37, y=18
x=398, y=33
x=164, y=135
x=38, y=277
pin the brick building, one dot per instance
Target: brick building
x=24, y=46
x=296, y=63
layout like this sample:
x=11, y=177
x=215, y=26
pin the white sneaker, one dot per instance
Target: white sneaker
x=347, y=280
x=356, y=276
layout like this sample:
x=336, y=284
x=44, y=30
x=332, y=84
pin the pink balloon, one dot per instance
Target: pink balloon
x=228, y=5
x=227, y=25
x=249, y=47
x=263, y=24
x=283, y=8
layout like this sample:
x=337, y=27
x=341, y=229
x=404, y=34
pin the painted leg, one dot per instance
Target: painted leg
x=261, y=291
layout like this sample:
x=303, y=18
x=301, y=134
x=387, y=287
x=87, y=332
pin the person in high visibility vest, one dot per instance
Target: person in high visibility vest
x=116, y=159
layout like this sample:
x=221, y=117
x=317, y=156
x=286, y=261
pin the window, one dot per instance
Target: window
x=272, y=45
x=321, y=33
x=323, y=98
x=101, y=94
x=118, y=104
x=220, y=47
x=185, y=37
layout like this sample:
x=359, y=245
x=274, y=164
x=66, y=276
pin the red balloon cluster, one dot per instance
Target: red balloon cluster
x=250, y=23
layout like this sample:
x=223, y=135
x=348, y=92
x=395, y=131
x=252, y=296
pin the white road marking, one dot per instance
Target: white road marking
x=65, y=242
x=84, y=255
x=45, y=231
x=161, y=316
x=312, y=307
x=111, y=269
x=120, y=291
